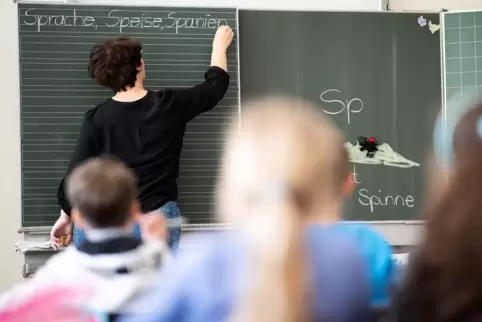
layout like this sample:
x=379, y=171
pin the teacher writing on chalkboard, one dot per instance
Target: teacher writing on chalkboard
x=142, y=128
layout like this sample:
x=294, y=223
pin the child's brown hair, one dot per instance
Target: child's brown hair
x=103, y=190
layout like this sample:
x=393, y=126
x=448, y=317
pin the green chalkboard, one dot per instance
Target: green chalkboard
x=463, y=52
x=55, y=41
x=374, y=74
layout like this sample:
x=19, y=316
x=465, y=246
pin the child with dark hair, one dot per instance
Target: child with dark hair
x=110, y=265
x=142, y=128
x=443, y=280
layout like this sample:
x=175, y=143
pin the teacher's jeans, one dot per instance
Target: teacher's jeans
x=170, y=210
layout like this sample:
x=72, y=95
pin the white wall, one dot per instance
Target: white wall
x=10, y=262
x=435, y=4
x=352, y=5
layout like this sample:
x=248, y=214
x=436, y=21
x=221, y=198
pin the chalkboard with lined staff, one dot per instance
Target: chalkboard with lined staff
x=55, y=42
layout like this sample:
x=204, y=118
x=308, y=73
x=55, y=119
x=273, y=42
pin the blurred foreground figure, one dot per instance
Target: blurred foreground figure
x=444, y=280
x=284, y=176
x=111, y=265
x=50, y=305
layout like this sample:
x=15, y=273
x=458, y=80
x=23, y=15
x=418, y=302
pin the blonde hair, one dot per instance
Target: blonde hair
x=281, y=162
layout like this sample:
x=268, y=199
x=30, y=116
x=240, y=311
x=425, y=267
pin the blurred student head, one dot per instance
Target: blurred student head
x=103, y=194
x=283, y=150
x=117, y=64
x=444, y=282
x=284, y=165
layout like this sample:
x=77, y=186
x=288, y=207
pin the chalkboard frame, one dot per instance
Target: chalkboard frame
x=74, y=4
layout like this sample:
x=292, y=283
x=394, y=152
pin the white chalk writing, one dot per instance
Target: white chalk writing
x=344, y=106
x=354, y=176
x=72, y=20
x=373, y=201
x=379, y=199
x=173, y=21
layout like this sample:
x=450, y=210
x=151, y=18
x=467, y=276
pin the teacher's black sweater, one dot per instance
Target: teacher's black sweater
x=147, y=135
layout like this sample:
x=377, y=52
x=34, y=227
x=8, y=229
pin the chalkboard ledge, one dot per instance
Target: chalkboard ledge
x=41, y=230
x=35, y=230
x=397, y=233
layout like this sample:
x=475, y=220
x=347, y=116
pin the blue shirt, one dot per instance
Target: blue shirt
x=201, y=283
x=377, y=255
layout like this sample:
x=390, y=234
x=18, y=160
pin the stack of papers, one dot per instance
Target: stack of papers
x=26, y=246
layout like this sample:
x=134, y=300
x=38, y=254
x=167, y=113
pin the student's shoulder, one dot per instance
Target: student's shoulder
x=209, y=244
x=205, y=250
x=339, y=277
x=62, y=266
x=367, y=232
x=359, y=238
x=370, y=243
x=357, y=230
x=365, y=237
x=63, y=257
x=330, y=244
x=361, y=246
x=333, y=253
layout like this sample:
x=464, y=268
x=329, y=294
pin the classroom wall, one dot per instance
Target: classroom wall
x=435, y=4
x=10, y=262
x=367, y=5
